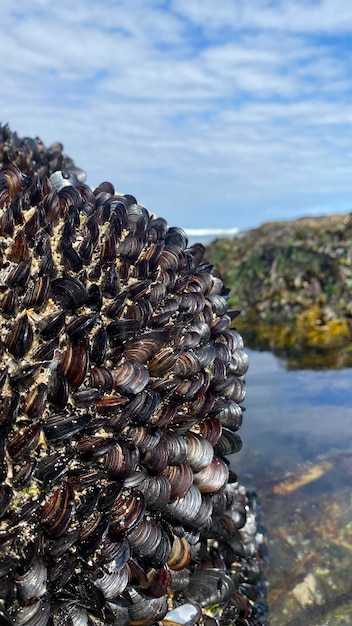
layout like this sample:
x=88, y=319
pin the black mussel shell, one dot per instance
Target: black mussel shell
x=69, y=292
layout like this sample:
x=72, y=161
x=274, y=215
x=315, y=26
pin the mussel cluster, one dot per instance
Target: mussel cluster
x=121, y=384
x=33, y=158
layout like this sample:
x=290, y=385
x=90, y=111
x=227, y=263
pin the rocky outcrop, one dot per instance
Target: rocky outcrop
x=293, y=278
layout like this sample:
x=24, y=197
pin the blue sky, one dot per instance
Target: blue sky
x=213, y=113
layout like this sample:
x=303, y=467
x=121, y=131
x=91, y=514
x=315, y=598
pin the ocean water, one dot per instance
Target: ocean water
x=297, y=456
x=293, y=416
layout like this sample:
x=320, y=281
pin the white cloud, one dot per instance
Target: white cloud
x=203, y=110
x=302, y=16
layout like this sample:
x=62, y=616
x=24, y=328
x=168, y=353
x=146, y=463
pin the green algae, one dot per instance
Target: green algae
x=292, y=282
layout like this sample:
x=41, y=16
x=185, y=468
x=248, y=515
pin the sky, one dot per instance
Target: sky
x=215, y=114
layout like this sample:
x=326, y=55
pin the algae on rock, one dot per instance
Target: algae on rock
x=293, y=283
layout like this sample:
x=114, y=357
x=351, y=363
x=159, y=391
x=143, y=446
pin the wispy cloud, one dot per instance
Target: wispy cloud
x=213, y=114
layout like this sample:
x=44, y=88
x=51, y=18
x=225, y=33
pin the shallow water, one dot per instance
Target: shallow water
x=297, y=455
x=293, y=416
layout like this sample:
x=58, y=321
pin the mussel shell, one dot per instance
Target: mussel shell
x=85, y=249
x=58, y=388
x=75, y=363
x=51, y=325
x=3, y=375
x=220, y=325
x=18, y=274
x=46, y=352
x=142, y=407
x=88, y=500
x=58, y=427
x=239, y=363
x=229, y=443
x=86, y=396
x=177, y=236
x=228, y=412
x=156, y=459
x=110, y=404
x=25, y=375
x=186, y=509
x=101, y=378
x=127, y=511
x=81, y=325
x=52, y=467
x=233, y=339
x=37, y=294
x=180, y=579
x=57, y=511
x=143, y=437
x=156, y=490
x=20, y=338
x=93, y=532
x=95, y=297
x=114, y=583
x=36, y=614
x=23, y=440
x=163, y=362
x=180, y=478
x=187, y=614
x=122, y=329
x=199, y=451
x=57, y=547
x=159, y=582
x=69, y=292
x=144, y=538
x=94, y=446
x=213, y=477
x=180, y=554
x=8, y=409
x=35, y=401
x=211, y=429
x=22, y=473
x=187, y=364
x=176, y=447
x=116, y=306
x=9, y=303
x=137, y=218
x=118, y=552
x=6, y=497
x=145, y=611
x=205, y=512
x=131, y=377
x=84, y=476
x=32, y=584
x=100, y=344
x=211, y=586
x=61, y=179
x=121, y=460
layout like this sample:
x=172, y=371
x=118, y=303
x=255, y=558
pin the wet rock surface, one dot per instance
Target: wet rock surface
x=292, y=282
x=309, y=542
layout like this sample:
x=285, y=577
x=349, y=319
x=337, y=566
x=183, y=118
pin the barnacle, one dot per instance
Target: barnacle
x=121, y=381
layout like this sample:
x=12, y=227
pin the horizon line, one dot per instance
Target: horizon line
x=201, y=232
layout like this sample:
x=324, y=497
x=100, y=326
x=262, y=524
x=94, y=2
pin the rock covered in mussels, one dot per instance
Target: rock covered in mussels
x=121, y=384
x=35, y=160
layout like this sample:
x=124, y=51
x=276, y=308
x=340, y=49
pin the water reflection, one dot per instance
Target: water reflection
x=297, y=454
x=306, y=344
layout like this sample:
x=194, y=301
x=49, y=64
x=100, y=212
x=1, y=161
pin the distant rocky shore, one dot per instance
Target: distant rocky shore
x=292, y=282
